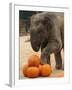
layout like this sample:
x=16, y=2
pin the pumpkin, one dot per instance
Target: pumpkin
x=32, y=72
x=33, y=60
x=25, y=67
x=45, y=70
x=40, y=67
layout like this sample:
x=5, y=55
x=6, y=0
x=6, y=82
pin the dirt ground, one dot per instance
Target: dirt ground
x=26, y=51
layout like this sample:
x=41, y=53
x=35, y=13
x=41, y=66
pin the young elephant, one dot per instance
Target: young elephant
x=47, y=33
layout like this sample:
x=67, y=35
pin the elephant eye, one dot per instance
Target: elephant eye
x=38, y=32
x=37, y=22
x=43, y=22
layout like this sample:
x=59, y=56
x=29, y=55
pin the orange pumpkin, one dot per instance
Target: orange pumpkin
x=40, y=68
x=45, y=70
x=33, y=60
x=32, y=72
x=25, y=67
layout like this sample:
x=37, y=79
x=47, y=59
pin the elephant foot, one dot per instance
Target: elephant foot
x=62, y=67
x=43, y=61
x=58, y=66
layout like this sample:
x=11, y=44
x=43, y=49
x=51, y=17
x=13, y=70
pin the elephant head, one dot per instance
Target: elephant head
x=38, y=31
x=44, y=30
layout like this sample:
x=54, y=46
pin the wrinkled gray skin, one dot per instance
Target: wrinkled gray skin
x=47, y=33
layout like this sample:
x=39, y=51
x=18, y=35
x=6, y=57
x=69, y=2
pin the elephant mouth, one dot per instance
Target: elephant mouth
x=36, y=48
x=35, y=45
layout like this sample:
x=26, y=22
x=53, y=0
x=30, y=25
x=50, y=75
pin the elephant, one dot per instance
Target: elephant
x=47, y=34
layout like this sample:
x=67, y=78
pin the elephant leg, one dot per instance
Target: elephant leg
x=58, y=60
x=63, y=61
x=48, y=60
x=63, y=67
x=44, y=59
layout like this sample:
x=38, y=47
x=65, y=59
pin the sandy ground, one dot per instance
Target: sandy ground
x=26, y=51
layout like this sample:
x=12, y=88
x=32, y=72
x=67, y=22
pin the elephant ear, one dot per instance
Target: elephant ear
x=53, y=29
x=49, y=26
x=48, y=22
